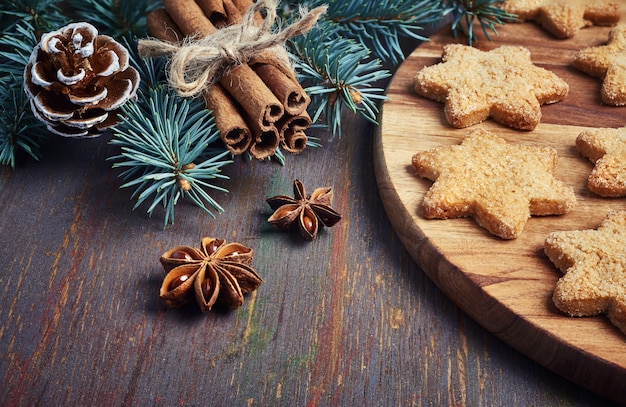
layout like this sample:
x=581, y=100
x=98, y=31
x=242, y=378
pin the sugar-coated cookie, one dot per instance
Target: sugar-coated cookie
x=606, y=148
x=594, y=267
x=608, y=62
x=502, y=84
x=499, y=184
x=564, y=18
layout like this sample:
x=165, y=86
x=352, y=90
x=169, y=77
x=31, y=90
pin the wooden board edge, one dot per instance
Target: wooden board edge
x=567, y=361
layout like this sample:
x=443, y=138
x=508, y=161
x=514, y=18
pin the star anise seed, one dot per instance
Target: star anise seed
x=217, y=272
x=305, y=213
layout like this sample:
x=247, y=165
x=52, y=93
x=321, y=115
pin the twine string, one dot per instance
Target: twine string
x=197, y=63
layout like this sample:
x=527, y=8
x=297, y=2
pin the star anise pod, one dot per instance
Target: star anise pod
x=217, y=272
x=305, y=212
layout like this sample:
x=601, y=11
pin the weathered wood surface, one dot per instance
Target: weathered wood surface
x=507, y=285
x=348, y=319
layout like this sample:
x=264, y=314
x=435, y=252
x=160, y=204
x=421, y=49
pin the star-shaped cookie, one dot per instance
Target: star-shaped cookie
x=502, y=83
x=594, y=267
x=499, y=184
x=564, y=18
x=606, y=148
x=607, y=62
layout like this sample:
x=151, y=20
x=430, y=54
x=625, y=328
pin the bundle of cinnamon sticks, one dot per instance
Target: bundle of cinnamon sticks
x=259, y=105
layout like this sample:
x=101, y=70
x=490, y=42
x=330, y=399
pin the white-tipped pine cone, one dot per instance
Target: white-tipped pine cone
x=76, y=80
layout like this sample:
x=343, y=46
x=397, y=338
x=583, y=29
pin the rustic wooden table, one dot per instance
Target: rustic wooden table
x=345, y=320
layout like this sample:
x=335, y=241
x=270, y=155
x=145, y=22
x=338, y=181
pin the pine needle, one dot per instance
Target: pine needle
x=165, y=151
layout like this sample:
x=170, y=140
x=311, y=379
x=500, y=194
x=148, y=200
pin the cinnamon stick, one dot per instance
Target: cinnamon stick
x=241, y=82
x=160, y=25
x=245, y=86
x=220, y=13
x=214, y=11
x=288, y=91
x=233, y=129
x=233, y=12
x=265, y=140
x=189, y=17
x=256, y=106
x=242, y=5
x=293, y=139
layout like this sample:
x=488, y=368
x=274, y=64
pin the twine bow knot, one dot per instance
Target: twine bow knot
x=197, y=63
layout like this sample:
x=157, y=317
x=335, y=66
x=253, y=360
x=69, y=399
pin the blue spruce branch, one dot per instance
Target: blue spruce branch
x=169, y=146
x=165, y=152
x=338, y=74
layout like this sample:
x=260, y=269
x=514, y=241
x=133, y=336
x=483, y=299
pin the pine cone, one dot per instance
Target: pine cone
x=76, y=80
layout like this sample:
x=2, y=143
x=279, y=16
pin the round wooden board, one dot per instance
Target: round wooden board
x=507, y=285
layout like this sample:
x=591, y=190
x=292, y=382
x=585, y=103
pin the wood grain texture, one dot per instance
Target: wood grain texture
x=346, y=320
x=507, y=285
